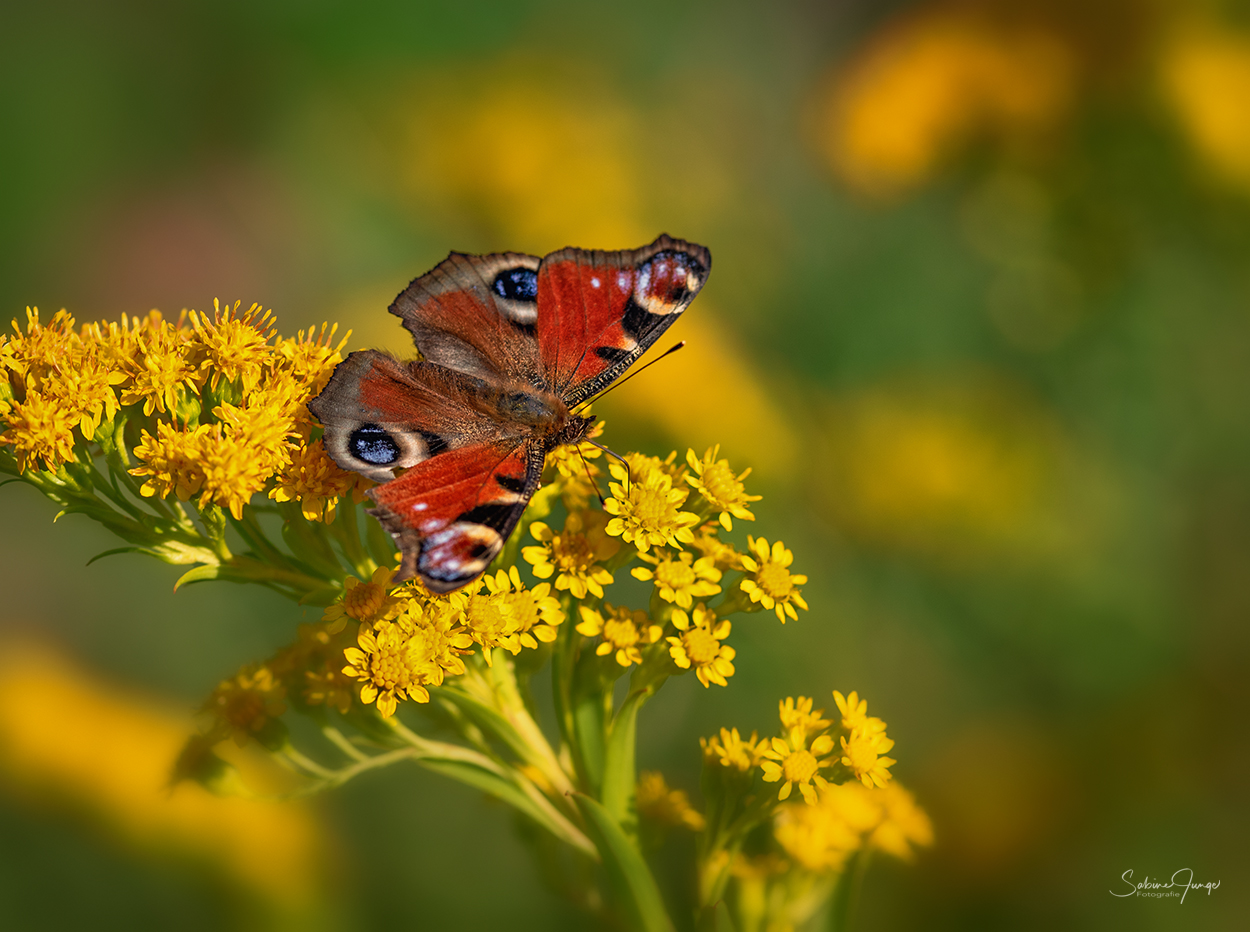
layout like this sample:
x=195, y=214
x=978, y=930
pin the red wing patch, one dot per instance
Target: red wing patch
x=600, y=311
x=450, y=515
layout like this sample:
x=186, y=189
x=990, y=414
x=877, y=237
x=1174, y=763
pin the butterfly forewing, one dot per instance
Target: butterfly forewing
x=476, y=314
x=600, y=311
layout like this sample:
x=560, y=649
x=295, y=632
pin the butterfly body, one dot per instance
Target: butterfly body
x=510, y=344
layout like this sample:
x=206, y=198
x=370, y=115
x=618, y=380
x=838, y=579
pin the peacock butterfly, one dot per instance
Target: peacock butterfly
x=509, y=345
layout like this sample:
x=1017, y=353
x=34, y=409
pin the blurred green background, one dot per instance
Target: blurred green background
x=979, y=320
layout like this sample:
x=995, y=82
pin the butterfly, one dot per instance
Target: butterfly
x=509, y=346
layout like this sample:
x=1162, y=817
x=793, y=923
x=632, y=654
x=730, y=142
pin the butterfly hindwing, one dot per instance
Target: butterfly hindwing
x=451, y=514
x=476, y=314
x=599, y=311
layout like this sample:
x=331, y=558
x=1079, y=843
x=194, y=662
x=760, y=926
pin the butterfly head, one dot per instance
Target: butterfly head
x=574, y=430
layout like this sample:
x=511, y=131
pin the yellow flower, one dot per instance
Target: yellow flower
x=680, y=581
x=795, y=763
x=84, y=384
x=863, y=754
x=366, y=602
x=231, y=468
x=170, y=461
x=235, y=346
x=730, y=749
x=723, y=556
x=658, y=803
x=624, y=631
x=246, y=703
x=510, y=616
x=159, y=365
x=771, y=583
x=399, y=659
x=315, y=481
x=39, y=428
x=381, y=663
x=718, y=485
x=700, y=647
x=799, y=721
x=34, y=354
x=574, y=552
x=855, y=713
x=646, y=507
x=311, y=356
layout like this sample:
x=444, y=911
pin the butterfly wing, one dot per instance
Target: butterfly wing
x=476, y=314
x=599, y=311
x=451, y=514
x=380, y=414
x=468, y=475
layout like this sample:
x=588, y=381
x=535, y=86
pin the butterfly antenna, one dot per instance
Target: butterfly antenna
x=593, y=484
x=668, y=352
x=629, y=473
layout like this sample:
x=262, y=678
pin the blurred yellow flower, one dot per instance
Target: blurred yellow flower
x=730, y=749
x=725, y=398
x=798, y=721
x=625, y=631
x=1206, y=78
x=945, y=468
x=723, y=556
x=659, y=803
x=928, y=83
x=542, y=155
x=244, y=704
x=819, y=838
x=65, y=737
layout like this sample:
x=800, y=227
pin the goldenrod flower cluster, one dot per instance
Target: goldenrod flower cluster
x=192, y=441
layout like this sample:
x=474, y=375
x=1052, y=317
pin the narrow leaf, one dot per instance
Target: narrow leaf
x=199, y=574
x=628, y=873
x=619, y=776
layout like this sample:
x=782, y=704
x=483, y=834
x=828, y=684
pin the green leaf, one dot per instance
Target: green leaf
x=116, y=550
x=619, y=775
x=199, y=574
x=628, y=873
